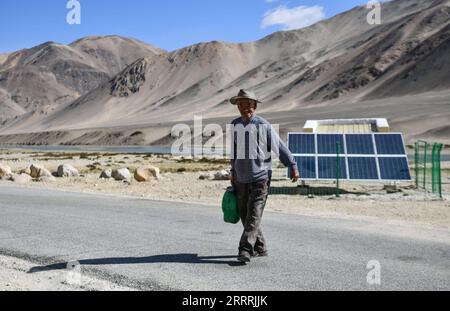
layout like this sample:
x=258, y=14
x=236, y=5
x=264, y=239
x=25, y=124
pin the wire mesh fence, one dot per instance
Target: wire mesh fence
x=431, y=172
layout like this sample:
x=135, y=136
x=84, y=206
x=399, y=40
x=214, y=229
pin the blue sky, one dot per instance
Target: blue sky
x=168, y=24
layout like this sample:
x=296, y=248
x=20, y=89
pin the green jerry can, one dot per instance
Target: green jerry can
x=229, y=206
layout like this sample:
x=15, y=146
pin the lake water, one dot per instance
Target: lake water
x=111, y=149
x=136, y=149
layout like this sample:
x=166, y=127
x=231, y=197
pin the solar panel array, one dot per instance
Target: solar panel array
x=362, y=157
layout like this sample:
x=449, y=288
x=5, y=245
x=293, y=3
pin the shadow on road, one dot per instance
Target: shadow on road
x=169, y=258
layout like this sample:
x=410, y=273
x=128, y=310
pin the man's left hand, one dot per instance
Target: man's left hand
x=295, y=175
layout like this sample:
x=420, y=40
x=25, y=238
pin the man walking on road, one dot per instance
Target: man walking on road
x=251, y=170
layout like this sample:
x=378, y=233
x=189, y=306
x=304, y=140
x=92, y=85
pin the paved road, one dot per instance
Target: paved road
x=163, y=245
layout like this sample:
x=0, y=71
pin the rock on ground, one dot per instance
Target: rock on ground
x=34, y=170
x=21, y=178
x=205, y=176
x=5, y=171
x=45, y=173
x=121, y=174
x=222, y=175
x=143, y=174
x=66, y=170
x=26, y=171
x=37, y=171
x=106, y=174
x=47, y=179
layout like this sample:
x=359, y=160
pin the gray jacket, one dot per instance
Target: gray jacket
x=252, y=144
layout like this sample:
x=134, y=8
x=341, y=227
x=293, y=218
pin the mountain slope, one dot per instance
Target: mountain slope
x=336, y=61
x=52, y=74
x=3, y=57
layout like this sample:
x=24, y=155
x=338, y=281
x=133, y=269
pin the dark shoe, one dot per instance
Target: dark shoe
x=244, y=257
x=261, y=254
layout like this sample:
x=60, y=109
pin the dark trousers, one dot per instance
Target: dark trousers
x=252, y=198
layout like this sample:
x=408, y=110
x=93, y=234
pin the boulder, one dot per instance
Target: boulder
x=106, y=174
x=391, y=188
x=222, y=175
x=26, y=171
x=5, y=171
x=66, y=170
x=37, y=171
x=121, y=174
x=205, y=176
x=47, y=179
x=6, y=178
x=44, y=173
x=21, y=178
x=143, y=174
x=34, y=170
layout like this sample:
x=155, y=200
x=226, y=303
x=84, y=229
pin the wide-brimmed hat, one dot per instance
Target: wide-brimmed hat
x=243, y=94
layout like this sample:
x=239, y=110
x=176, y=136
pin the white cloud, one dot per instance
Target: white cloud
x=293, y=18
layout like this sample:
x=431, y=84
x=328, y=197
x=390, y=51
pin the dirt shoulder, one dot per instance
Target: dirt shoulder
x=15, y=276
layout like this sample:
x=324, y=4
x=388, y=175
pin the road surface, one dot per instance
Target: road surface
x=155, y=245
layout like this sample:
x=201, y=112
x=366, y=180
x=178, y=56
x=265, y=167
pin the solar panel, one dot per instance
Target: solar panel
x=394, y=168
x=307, y=167
x=376, y=156
x=359, y=144
x=326, y=143
x=302, y=144
x=362, y=168
x=390, y=144
x=327, y=168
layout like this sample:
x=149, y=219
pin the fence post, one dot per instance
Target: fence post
x=433, y=169
x=425, y=167
x=436, y=177
x=439, y=171
x=416, y=160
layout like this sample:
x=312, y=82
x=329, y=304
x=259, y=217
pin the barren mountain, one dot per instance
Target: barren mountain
x=3, y=57
x=336, y=63
x=42, y=78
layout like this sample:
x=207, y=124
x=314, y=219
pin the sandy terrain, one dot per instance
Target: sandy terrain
x=180, y=182
x=14, y=277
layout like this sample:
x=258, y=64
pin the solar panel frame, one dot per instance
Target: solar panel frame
x=403, y=167
x=313, y=148
x=364, y=166
x=345, y=155
x=379, y=145
x=332, y=148
x=343, y=172
x=351, y=145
